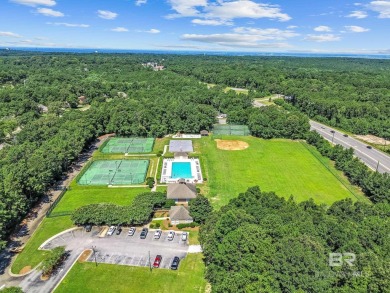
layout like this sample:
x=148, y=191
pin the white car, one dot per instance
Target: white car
x=171, y=235
x=184, y=236
x=111, y=230
x=157, y=234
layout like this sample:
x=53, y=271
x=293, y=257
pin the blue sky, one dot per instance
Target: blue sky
x=222, y=25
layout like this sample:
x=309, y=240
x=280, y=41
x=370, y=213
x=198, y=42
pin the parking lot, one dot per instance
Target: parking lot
x=123, y=249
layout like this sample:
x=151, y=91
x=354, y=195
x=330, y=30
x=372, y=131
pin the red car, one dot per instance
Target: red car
x=157, y=261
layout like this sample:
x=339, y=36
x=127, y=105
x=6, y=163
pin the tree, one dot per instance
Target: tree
x=200, y=208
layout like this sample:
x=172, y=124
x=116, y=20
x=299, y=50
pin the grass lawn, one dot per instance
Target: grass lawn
x=83, y=195
x=85, y=277
x=31, y=256
x=279, y=165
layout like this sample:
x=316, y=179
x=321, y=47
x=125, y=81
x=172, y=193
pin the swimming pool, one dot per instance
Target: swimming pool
x=181, y=170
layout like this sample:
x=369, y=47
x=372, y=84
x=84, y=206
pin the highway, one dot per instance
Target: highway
x=373, y=158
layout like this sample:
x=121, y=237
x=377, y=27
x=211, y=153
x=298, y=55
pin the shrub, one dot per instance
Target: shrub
x=169, y=203
x=151, y=226
x=187, y=225
x=138, y=213
x=50, y=263
x=158, y=225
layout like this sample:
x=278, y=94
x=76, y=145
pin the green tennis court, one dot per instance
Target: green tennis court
x=128, y=145
x=115, y=172
x=228, y=129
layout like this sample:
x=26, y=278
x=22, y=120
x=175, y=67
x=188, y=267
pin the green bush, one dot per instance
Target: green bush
x=138, y=213
x=158, y=225
x=187, y=225
x=169, y=203
x=52, y=260
x=151, y=226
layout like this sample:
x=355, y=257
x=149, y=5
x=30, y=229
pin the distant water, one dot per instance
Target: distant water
x=215, y=53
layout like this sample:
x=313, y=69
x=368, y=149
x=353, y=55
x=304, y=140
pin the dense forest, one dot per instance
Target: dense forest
x=43, y=126
x=353, y=94
x=260, y=242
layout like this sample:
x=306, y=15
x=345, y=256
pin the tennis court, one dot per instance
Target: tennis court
x=228, y=129
x=125, y=145
x=115, y=172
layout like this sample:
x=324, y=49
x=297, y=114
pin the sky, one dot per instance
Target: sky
x=327, y=26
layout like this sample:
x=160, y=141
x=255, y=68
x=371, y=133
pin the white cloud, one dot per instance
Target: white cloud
x=35, y=2
x=140, y=2
x=120, y=29
x=9, y=34
x=68, y=24
x=225, y=10
x=105, y=14
x=292, y=26
x=153, y=31
x=358, y=14
x=323, y=38
x=49, y=12
x=322, y=28
x=266, y=34
x=185, y=8
x=245, y=9
x=356, y=29
x=213, y=22
x=245, y=37
x=382, y=7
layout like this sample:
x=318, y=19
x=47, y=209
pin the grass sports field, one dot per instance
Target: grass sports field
x=128, y=145
x=86, y=277
x=284, y=166
x=115, y=172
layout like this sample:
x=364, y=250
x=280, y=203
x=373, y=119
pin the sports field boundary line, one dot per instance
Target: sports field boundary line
x=329, y=169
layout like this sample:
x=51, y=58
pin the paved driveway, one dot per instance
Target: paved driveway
x=116, y=249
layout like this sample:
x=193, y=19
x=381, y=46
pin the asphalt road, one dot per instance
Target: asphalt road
x=116, y=249
x=373, y=158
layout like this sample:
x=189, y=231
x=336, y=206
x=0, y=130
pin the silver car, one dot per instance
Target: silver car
x=111, y=230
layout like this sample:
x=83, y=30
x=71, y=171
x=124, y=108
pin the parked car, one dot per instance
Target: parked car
x=157, y=261
x=88, y=228
x=171, y=235
x=144, y=233
x=369, y=147
x=332, y=131
x=118, y=230
x=345, y=135
x=157, y=234
x=175, y=263
x=111, y=230
x=184, y=236
x=131, y=231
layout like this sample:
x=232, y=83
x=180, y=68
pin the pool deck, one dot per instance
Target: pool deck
x=166, y=173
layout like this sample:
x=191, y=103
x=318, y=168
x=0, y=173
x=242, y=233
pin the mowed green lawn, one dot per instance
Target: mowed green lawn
x=86, y=277
x=79, y=196
x=283, y=166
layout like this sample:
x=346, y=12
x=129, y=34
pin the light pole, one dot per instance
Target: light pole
x=150, y=264
x=94, y=254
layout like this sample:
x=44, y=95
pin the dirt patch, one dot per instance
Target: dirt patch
x=44, y=277
x=85, y=255
x=25, y=270
x=231, y=145
x=373, y=139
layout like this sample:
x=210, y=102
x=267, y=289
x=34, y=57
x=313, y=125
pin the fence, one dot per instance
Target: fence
x=54, y=204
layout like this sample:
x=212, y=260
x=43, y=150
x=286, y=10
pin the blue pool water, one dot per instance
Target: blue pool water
x=181, y=170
